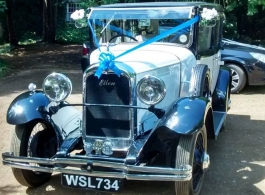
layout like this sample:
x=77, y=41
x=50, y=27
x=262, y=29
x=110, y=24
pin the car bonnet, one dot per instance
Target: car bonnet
x=147, y=58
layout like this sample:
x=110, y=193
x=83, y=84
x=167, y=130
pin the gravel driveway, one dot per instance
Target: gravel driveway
x=237, y=156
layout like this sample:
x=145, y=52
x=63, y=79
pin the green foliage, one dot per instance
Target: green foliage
x=231, y=6
x=27, y=18
x=5, y=48
x=104, y=2
x=253, y=6
x=245, y=18
x=230, y=27
x=2, y=6
x=67, y=32
x=88, y=3
x=70, y=34
x=29, y=38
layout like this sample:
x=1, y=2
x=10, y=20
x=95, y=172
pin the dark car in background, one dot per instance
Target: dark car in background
x=247, y=63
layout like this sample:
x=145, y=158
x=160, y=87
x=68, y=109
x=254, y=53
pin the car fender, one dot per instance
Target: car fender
x=239, y=62
x=27, y=107
x=235, y=60
x=222, y=90
x=186, y=116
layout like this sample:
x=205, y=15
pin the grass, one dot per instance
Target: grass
x=5, y=49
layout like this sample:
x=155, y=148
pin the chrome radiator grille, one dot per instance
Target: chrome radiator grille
x=105, y=121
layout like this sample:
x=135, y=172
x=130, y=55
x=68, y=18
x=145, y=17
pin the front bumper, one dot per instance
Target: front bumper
x=71, y=164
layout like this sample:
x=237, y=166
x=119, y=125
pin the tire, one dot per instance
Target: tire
x=189, y=147
x=200, y=81
x=26, y=143
x=239, y=78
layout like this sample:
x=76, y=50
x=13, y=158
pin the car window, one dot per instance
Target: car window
x=118, y=26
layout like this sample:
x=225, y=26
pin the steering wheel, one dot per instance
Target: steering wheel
x=122, y=35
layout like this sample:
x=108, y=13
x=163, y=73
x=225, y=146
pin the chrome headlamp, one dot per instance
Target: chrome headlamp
x=151, y=90
x=57, y=87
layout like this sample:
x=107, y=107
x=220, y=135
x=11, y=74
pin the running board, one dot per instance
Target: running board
x=218, y=120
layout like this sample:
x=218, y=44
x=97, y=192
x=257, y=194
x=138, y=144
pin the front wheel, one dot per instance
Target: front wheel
x=33, y=139
x=192, y=150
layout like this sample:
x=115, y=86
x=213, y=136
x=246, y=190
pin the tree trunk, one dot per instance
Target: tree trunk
x=49, y=20
x=12, y=36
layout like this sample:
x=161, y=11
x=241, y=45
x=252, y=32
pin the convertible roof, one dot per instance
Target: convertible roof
x=164, y=4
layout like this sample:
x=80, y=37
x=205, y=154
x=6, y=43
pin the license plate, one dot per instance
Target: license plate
x=93, y=183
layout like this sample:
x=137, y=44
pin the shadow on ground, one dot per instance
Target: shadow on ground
x=232, y=156
x=10, y=189
x=236, y=165
x=130, y=187
x=20, y=82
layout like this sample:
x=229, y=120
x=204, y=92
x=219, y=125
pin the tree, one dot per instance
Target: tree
x=2, y=9
x=49, y=20
x=12, y=36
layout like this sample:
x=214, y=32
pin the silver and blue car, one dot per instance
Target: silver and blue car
x=154, y=92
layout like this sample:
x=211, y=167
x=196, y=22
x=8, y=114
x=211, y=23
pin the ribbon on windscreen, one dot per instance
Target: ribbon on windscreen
x=107, y=59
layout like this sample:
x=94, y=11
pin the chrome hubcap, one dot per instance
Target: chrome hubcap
x=235, y=79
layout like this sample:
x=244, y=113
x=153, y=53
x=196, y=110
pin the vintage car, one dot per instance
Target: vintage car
x=247, y=64
x=153, y=94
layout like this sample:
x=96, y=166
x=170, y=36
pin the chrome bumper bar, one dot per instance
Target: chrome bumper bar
x=183, y=173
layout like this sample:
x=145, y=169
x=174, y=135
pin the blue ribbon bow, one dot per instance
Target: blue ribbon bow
x=107, y=58
x=106, y=62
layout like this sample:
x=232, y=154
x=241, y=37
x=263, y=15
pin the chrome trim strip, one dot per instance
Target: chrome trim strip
x=109, y=105
x=179, y=177
x=63, y=170
x=159, y=177
x=156, y=173
x=28, y=167
x=184, y=170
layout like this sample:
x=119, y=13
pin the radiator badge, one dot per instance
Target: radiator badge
x=107, y=147
x=103, y=146
x=97, y=146
x=106, y=83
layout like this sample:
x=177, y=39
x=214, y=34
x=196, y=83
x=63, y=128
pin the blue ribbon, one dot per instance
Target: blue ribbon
x=114, y=28
x=106, y=62
x=107, y=59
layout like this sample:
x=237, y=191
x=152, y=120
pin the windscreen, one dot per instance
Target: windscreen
x=119, y=25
